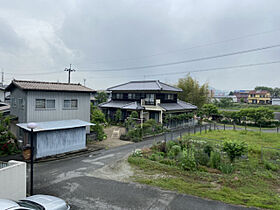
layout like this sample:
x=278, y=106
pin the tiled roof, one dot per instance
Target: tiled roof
x=155, y=85
x=258, y=92
x=49, y=86
x=180, y=105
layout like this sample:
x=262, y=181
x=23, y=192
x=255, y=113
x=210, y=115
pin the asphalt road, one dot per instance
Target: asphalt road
x=71, y=179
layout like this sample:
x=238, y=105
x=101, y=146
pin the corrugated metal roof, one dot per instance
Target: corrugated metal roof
x=56, y=125
x=49, y=86
x=155, y=85
x=180, y=105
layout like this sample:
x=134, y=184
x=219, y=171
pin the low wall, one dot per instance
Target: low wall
x=13, y=180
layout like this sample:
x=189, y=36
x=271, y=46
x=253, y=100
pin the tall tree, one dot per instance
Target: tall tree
x=193, y=92
x=101, y=97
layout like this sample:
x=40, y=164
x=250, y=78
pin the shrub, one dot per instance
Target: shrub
x=234, y=149
x=137, y=153
x=201, y=158
x=169, y=145
x=227, y=168
x=168, y=162
x=215, y=159
x=157, y=156
x=208, y=149
x=188, y=160
x=174, y=151
x=270, y=166
x=98, y=129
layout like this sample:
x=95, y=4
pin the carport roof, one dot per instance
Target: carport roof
x=55, y=125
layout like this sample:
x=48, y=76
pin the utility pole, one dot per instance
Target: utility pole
x=2, y=79
x=69, y=72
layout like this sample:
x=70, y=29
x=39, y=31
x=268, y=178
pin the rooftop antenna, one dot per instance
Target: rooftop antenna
x=69, y=72
x=85, y=81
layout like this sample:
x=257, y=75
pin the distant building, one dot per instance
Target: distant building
x=275, y=101
x=241, y=95
x=233, y=98
x=259, y=97
x=151, y=99
x=33, y=101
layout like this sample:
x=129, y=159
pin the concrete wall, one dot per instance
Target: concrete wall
x=60, y=141
x=13, y=180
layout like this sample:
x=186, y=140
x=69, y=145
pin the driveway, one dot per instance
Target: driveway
x=76, y=180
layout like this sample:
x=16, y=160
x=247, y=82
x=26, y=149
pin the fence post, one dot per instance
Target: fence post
x=180, y=136
x=189, y=130
x=260, y=128
x=171, y=135
x=200, y=129
x=233, y=126
x=194, y=130
x=165, y=138
x=224, y=126
x=277, y=129
x=214, y=126
x=245, y=126
x=205, y=128
x=261, y=153
x=210, y=127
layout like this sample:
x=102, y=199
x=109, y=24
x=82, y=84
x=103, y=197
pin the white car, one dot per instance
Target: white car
x=35, y=202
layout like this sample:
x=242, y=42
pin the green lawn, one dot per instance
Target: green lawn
x=251, y=184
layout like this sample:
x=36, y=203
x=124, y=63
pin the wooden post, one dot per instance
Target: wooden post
x=189, y=130
x=180, y=136
x=200, y=129
x=224, y=126
x=171, y=136
x=233, y=126
x=205, y=128
x=245, y=126
x=278, y=129
x=214, y=126
x=194, y=130
x=260, y=128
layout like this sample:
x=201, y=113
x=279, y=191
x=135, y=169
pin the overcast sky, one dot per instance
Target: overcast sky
x=40, y=38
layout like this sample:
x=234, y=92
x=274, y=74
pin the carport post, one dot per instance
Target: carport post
x=31, y=126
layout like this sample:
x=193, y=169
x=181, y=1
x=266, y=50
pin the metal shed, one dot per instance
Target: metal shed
x=57, y=137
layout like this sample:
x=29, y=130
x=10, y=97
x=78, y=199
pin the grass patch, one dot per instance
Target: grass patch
x=252, y=183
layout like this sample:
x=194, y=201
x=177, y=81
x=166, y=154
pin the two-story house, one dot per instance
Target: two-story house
x=259, y=97
x=151, y=99
x=33, y=101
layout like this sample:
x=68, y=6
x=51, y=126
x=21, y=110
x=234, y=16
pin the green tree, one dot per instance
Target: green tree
x=101, y=97
x=209, y=110
x=118, y=115
x=193, y=92
x=98, y=118
x=225, y=102
x=7, y=139
x=260, y=88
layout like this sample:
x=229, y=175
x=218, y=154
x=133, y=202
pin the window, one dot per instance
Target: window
x=150, y=99
x=13, y=102
x=131, y=96
x=119, y=96
x=45, y=104
x=20, y=103
x=169, y=96
x=40, y=103
x=70, y=104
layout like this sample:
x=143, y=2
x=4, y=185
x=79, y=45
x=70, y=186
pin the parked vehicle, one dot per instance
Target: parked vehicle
x=35, y=202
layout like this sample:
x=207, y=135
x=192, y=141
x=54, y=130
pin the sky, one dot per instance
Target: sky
x=105, y=40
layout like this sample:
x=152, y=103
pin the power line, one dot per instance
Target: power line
x=190, y=48
x=186, y=61
x=202, y=70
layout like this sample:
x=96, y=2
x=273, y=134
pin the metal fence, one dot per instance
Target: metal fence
x=3, y=164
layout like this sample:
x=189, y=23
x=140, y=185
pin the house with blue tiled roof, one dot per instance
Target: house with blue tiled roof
x=152, y=99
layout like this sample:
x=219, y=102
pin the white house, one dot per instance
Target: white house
x=275, y=101
x=33, y=101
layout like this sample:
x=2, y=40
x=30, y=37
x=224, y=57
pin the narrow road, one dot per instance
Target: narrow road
x=72, y=179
